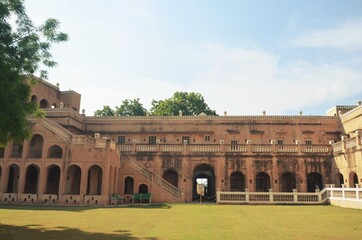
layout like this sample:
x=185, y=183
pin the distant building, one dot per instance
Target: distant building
x=77, y=159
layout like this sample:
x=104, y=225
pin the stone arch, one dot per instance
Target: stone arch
x=128, y=185
x=54, y=105
x=115, y=179
x=17, y=150
x=74, y=176
x=206, y=173
x=142, y=188
x=55, y=151
x=353, y=179
x=110, y=180
x=339, y=179
x=262, y=182
x=288, y=182
x=171, y=176
x=237, y=182
x=34, y=99
x=31, y=179
x=36, y=146
x=94, y=182
x=13, y=179
x=53, y=179
x=43, y=103
x=314, y=181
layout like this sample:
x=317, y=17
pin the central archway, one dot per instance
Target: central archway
x=206, y=174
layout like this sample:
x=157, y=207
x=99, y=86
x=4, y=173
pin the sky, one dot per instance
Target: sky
x=244, y=57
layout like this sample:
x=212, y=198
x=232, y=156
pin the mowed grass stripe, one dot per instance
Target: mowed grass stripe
x=180, y=221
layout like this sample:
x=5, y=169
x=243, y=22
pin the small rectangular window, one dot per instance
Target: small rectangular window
x=308, y=142
x=280, y=142
x=152, y=140
x=185, y=139
x=207, y=138
x=234, y=145
x=121, y=139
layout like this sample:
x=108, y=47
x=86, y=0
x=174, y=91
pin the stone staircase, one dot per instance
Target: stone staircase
x=53, y=126
x=176, y=192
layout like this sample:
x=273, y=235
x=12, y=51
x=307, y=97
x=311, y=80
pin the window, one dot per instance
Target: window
x=308, y=142
x=2, y=151
x=207, y=138
x=121, y=139
x=280, y=142
x=185, y=139
x=152, y=140
x=234, y=145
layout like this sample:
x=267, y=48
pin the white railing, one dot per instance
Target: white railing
x=204, y=148
x=286, y=148
x=345, y=193
x=236, y=148
x=337, y=147
x=262, y=148
x=315, y=148
x=351, y=142
x=272, y=197
x=171, y=148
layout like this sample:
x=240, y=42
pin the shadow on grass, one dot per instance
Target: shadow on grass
x=83, y=208
x=36, y=232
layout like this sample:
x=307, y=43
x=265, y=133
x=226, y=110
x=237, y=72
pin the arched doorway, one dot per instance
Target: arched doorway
x=128, y=185
x=171, y=176
x=204, y=174
x=339, y=180
x=31, y=180
x=94, y=182
x=13, y=179
x=314, y=181
x=262, y=182
x=237, y=182
x=143, y=188
x=34, y=99
x=36, y=146
x=288, y=182
x=53, y=177
x=73, y=180
x=43, y=103
x=353, y=180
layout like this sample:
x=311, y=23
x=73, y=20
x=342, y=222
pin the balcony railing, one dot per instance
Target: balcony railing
x=226, y=148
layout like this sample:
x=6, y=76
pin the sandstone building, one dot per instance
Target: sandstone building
x=77, y=159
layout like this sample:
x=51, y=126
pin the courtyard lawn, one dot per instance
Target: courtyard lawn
x=180, y=221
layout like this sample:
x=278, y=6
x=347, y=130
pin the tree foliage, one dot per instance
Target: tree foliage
x=24, y=47
x=188, y=104
x=131, y=108
x=106, y=111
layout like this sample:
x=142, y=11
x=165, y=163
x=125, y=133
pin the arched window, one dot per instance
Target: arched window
x=36, y=146
x=288, y=182
x=171, y=176
x=17, y=150
x=34, y=99
x=237, y=182
x=262, y=182
x=55, y=152
x=128, y=185
x=2, y=152
x=54, y=105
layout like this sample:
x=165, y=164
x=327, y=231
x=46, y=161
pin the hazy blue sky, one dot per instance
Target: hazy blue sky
x=242, y=56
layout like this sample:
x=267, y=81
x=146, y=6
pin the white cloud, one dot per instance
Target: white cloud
x=346, y=36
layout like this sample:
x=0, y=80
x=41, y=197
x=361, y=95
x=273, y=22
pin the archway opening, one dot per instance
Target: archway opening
x=94, y=183
x=204, y=173
x=53, y=177
x=36, y=146
x=43, y=103
x=237, y=182
x=31, y=180
x=13, y=179
x=314, y=181
x=288, y=182
x=262, y=182
x=143, y=188
x=171, y=176
x=128, y=185
x=73, y=180
x=34, y=99
x=353, y=180
x=340, y=180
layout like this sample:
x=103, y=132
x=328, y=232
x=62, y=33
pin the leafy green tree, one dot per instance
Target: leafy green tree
x=131, y=107
x=23, y=48
x=106, y=111
x=189, y=104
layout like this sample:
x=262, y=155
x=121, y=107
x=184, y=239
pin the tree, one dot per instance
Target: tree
x=106, y=111
x=190, y=104
x=23, y=48
x=131, y=108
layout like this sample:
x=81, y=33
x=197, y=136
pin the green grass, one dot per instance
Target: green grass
x=180, y=221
